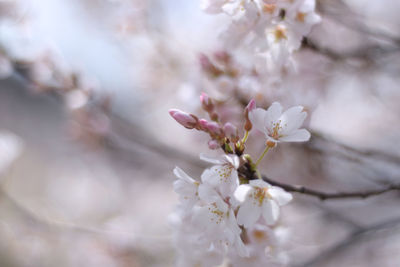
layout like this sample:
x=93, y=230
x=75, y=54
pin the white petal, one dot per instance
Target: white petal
x=292, y=119
x=307, y=6
x=211, y=6
x=259, y=183
x=280, y=195
x=207, y=193
x=233, y=160
x=258, y=119
x=183, y=188
x=301, y=135
x=231, y=8
x=248, y=213
x=241, y=192
x=228, y=186
x=270, y=211
x=241, y=248
x=273, y=114
x=210, y=176
x=182, y=175
x=219, y=160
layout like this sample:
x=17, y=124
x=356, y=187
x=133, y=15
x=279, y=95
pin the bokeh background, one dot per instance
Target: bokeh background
x=87, y=146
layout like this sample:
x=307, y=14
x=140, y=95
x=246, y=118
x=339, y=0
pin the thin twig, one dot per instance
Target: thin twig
x=337, y=195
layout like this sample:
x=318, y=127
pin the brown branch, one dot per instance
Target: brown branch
x=337, y=195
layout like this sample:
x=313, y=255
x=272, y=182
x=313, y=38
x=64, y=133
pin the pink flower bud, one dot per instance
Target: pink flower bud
x=187, y=120
x=231, y=131
x=203, y=124
x=206, y=102
x=213, y=128
x=208, y=66
x=204, y=98
x=251, y=106
x=213, y=144
x=222, y=56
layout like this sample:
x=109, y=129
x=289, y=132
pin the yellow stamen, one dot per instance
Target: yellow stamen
x=269, y=8
x=280, y=33
x=301, y=16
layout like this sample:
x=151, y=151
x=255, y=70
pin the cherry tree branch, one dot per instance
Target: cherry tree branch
x=328, y=195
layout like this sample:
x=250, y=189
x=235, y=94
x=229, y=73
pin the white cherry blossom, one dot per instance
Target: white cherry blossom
x=278, y=126
x=301, y=16
x=217, y=222
x=259, y=199
x=186, y=187
x=223, y=176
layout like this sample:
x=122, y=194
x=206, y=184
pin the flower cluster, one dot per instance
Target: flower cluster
x=230, y=213
x=273, y=28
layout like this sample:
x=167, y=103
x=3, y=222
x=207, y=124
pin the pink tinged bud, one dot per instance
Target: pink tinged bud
x=206, y=102
x=213, y=128
x=205, y=62
x=251, y=106
x=213, y=144
x=204, y=98
x=222, y=56
x=231, y=131
x=208, y=66
x=187, y=120
x=203, y=124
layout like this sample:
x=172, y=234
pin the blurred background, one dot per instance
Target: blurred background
x=87, y=147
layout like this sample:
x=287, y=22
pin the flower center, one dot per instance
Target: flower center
x=276, y=129
x=300, y=16
x=260, y=194
x=224, y=173
x=280, y=33
x=269, y=8
x=219, y=213
x=260, y=236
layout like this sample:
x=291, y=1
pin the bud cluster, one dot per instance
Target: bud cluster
x=221, y=134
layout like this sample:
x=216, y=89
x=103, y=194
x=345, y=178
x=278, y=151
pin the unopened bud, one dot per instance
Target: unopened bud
x=188, y=121
x=213, y=128
x=250, y=107
x=214, y=116
x=206, y=102
x=209, y=67
x=203, y=124
x=222, y=56
x=213, y=144
x=231, y=132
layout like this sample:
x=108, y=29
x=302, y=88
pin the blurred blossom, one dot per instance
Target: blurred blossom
x=6, y=67
x=10, y=148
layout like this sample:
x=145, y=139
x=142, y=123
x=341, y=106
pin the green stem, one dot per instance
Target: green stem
x=262, y=155
x=246, y=135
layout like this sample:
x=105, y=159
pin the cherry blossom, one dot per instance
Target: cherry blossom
x=217, y=222
x=186, y=187
x=278, y=126
x=259, y=199
x=223, y=175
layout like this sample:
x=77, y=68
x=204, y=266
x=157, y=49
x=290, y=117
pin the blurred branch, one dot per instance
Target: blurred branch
x=352, y=240
x=339, y=12
x=343, y=14
x=367, y=52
